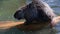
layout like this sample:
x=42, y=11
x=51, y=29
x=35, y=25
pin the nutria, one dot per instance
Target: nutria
x=37, y=15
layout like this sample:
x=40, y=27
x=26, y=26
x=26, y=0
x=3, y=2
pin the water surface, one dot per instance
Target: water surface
x=8, y=8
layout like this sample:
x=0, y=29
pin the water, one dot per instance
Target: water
x=8, y=8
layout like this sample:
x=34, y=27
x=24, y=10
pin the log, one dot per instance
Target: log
x=20, y=25
x=8, y=24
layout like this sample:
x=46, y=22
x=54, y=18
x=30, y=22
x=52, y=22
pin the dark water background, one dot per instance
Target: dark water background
x=8, y=8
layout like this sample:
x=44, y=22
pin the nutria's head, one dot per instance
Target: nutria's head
x=19, y=14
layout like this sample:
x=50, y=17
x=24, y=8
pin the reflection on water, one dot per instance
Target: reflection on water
x=6, y=5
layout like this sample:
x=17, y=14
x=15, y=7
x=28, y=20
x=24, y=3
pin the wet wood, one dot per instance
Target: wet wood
x=20, y=25
x=8, y=24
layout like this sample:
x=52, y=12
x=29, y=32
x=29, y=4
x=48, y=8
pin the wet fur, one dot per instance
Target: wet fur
x=34, y=14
